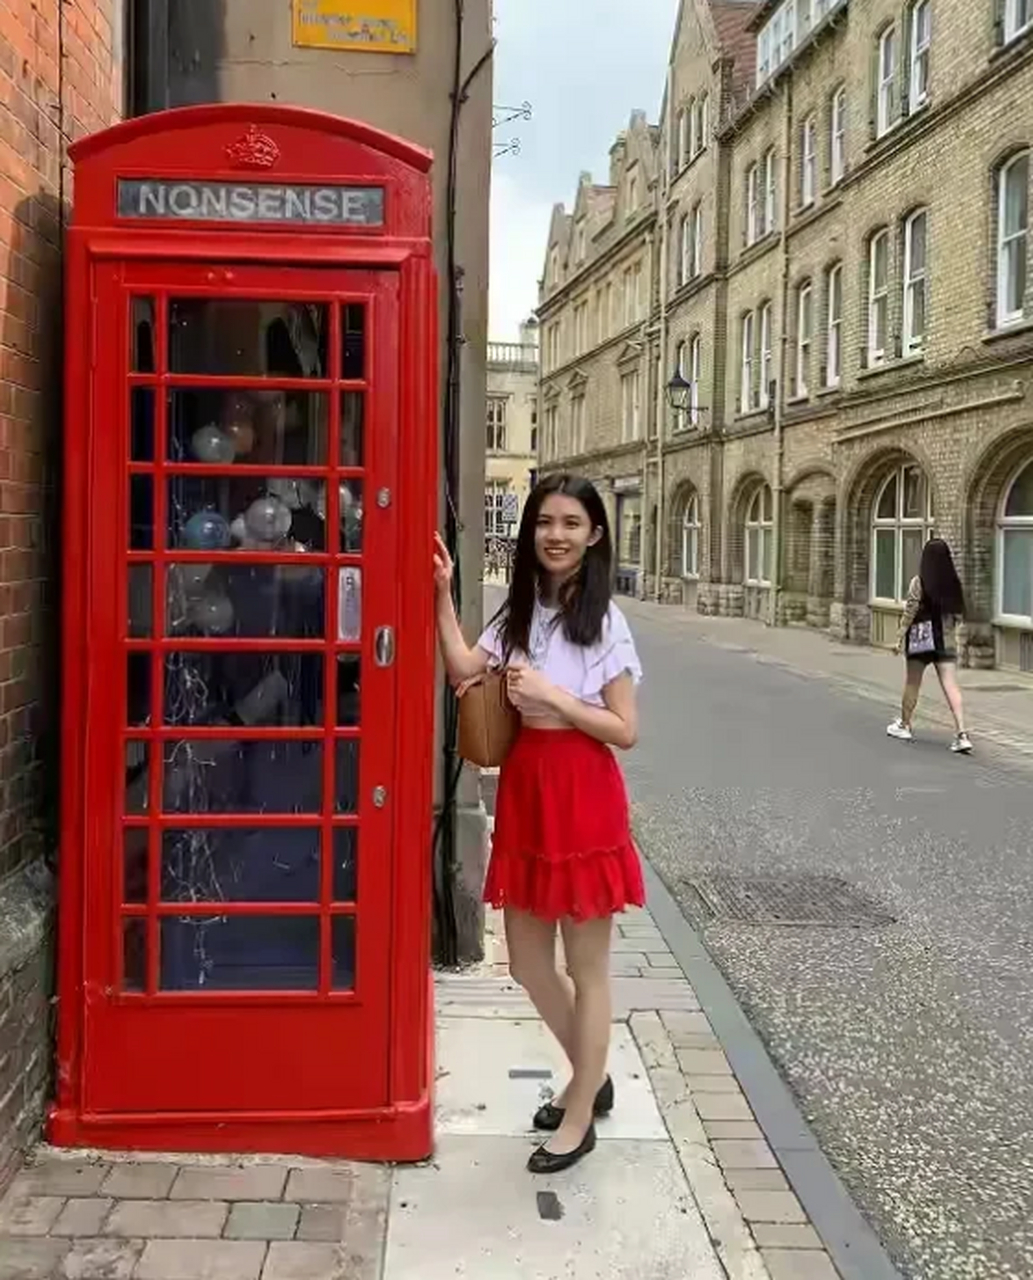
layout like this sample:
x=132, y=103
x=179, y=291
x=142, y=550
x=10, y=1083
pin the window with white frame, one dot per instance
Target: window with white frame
x=684, y=136
x=788, y=26
x=1015, y=550
x=495, y=523
x=552, y=431
x=788, y=31
x=581, y=242
x=580, y=328
x=804, y=334
x=691, y=531
x=886, y=89
x=753, y=205
x=834, y=325
x=766, y=356
x=633, y=191
x=837, y=136
x=759, y=533
x=746, y=364
x=878, y=297
x=685, y=250
x=577, y=425
x=770, y=190
x=915, y=281
x=901, y=526
x=1018, y=18
x=764, y=55
x=496, y=434
x=681, y=363
x=696, y=241
x=701, y=128
x=1012, y=239
x=695, y=376
x=630, y=407
x=920, y=37
x=808, y=161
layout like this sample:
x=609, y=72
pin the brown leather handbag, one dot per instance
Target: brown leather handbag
x=488, y=721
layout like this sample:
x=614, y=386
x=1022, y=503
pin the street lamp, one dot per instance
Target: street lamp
x=679, y=392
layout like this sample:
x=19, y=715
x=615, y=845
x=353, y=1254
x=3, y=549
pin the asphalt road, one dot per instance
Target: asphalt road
x=909, y=1045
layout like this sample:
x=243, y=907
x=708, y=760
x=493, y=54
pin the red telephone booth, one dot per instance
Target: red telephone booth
x=250, y=470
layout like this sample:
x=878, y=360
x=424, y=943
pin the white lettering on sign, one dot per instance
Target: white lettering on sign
x=149, y=198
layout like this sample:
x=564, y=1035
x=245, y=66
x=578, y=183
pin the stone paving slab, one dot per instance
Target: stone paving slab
x=639, y=1185
x=493, y=1085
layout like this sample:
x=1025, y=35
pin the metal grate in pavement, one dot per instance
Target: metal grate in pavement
x=786, y=898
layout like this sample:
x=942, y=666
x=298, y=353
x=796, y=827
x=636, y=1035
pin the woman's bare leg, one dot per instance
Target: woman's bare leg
x=587, y=947
x=532, y=962
x=952, y=692
x=912, y=688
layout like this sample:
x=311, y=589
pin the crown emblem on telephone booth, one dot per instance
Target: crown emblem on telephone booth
x=254, y=150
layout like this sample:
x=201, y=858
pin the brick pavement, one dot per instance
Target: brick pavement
x=69, y=1217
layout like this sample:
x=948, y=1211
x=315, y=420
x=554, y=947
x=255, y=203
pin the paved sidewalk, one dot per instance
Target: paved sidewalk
x=998, y=704
x=682, y=1184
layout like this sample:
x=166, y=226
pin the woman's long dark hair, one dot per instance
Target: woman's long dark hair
x=585, y=599
x=941, y=587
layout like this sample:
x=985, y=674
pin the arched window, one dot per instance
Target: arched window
x=691, y=528
x=759, y=537
x=901, y=526
x=1013, y=198
x=1015, y=549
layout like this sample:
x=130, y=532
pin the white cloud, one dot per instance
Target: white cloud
x=519, y=231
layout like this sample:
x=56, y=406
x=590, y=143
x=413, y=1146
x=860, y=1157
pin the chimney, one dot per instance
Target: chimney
x=617, y=154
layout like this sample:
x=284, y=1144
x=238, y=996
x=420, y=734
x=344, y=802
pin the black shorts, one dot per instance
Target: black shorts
x=934, y=656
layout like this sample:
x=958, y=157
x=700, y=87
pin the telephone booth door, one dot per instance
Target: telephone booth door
x=242, y=698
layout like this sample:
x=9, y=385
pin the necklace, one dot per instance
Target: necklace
x=543, y=624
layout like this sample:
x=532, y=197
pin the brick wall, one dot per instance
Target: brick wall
x=60, y=77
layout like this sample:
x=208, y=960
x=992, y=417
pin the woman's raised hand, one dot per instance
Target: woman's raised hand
x=443, y=566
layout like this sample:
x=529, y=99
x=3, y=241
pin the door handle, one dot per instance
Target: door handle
x=384, y=646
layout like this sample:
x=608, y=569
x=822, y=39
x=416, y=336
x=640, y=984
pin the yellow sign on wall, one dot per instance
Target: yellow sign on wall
x=376, y=26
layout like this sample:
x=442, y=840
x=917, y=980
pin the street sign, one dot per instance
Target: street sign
x=364, y=26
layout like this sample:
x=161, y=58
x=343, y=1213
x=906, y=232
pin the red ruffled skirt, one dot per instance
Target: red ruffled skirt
x=562, y=845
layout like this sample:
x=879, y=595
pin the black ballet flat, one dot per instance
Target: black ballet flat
x=543, y=1161
x=549, y=1117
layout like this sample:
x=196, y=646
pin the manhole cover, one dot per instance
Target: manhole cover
x=997, y=688
x=788, y=899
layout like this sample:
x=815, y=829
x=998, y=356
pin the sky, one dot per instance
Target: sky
x=584, y=66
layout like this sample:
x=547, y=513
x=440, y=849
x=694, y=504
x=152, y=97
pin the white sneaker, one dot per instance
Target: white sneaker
x=962, y=744
x=898, y=729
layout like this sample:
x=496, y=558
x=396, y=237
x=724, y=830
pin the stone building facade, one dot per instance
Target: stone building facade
x=599, y=353
x=864, y=319
x=511, y=433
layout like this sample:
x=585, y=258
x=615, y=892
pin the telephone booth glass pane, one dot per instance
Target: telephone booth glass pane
x=216, y=427
x=246, y=339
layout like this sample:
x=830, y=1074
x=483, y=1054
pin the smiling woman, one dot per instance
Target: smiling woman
x=562, y=851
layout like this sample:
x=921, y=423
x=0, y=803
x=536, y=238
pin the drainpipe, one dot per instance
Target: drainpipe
x=661, y=381
x=783, y=359
x=645, y=337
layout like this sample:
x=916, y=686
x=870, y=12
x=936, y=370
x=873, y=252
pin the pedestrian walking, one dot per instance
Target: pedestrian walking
x=927, y=635
x=562, y=851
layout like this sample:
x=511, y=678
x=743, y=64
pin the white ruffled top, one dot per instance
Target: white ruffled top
x=583, y=671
